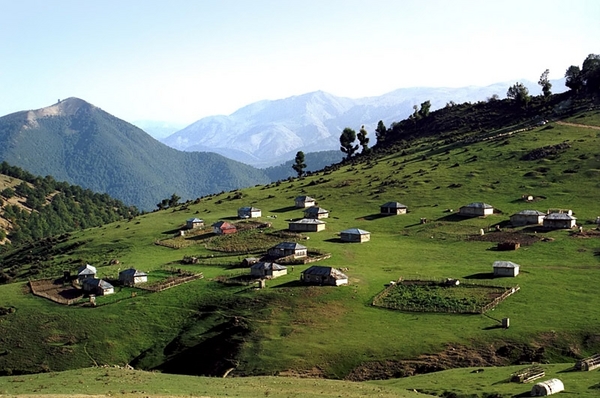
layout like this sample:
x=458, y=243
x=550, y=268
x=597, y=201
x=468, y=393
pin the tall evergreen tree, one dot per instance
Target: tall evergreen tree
x=299, y=164
x=347, y=142
x=363, y=140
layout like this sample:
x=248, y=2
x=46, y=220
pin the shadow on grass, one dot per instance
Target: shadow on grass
x=174, y=231
x=231, y=218
x=295, y=283
x=201, y=236
x=568, y=370
x=493, y=327
x=372, y=217
x=334, y=240
x=284, y=209
x=454, y=217
x=523, y=394
x=481, y=275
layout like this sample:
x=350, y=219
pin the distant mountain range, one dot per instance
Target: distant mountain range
x=268, y=133
x=77, y=142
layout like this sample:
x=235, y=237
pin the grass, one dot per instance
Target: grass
x=298, y=329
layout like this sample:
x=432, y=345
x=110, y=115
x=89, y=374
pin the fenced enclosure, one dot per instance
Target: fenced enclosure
x=440, y=296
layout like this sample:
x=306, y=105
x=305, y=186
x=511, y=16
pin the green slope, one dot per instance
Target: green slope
x=79, y=143
x=336, y=332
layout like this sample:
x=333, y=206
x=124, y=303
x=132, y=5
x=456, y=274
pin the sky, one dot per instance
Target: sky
x=181, y=60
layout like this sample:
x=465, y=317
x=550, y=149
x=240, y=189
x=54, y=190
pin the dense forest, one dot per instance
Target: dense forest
x=52, y=207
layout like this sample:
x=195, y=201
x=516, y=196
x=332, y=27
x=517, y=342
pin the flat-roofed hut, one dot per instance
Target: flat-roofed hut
x=392, y=208
x=267, y=270
x=355, y=235
x=505, y=268
x=324, y=276
x=307, y=225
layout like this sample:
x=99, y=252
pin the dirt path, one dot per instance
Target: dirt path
x=587, y=126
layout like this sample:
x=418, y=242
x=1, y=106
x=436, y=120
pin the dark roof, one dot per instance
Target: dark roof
x=479, y=205
x=355, y=231
x=304, y=198
x=315, y=210
x=132, y=272
x=98, y=283
x=290, y=246
x=263, y=265
x=394, y=205
x=325, y=271
x=248, y=209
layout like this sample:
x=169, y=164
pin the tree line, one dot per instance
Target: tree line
x=54, y=207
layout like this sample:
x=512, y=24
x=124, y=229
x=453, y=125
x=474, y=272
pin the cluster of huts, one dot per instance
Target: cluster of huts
x=86, y=278
x=552, y=219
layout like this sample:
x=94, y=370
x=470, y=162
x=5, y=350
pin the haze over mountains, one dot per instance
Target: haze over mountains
x=268, y=133
x=77, y=142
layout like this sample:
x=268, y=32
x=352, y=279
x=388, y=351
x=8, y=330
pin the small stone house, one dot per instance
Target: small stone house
x=285, y=249
x=476, y=209
x=267, y=270
x=249, y=212
x=505, y=268
x=302, y=202
x=547, y=387
x=224, y=228
x=355, y=235
x=392, y=208
x=86, y=272
x=99, y=287
x=324, y=276
x=527, y=217
x=316, y=212
x=307, y=225
x=559, y=221
x=132, y=276
x=192, y=223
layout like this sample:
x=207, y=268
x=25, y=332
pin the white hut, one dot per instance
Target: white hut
x=249, y=212
x=559, y=221
x=194, y=222
x=132, y=276
x=324, y=276
x=525, y=217
x=267, y=270
x=547, y=387
x=476, y=209
x=304, y=201
x=307, y=225
x=86, y=272
x=394, y=208
x=316, y=212
x=98, y=287
x=355, y=235
x=505, y=268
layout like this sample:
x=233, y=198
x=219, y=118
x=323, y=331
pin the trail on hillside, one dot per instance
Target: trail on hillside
x=587, y=126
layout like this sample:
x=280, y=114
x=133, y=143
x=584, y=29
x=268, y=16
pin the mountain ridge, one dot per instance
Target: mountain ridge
x=270, y=132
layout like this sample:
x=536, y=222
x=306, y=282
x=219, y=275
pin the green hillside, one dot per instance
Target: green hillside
x=77, y=142
x=292, y=329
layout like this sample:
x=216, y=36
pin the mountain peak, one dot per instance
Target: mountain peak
x=67, y=107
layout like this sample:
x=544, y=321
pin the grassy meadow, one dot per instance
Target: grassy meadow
x=326, y=331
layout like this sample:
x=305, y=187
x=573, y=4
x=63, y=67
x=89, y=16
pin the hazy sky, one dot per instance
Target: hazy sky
x=179, y=61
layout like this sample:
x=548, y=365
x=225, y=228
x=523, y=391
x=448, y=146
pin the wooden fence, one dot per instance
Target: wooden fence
x=47, y=289
x=176, y=281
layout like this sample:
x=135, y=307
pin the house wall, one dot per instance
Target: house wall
x=306, y=227
x=354, y=238
x=301, y=205
x=521, y=219
x=192, y=225
x=559, y=224
x=140, y=279
x=499, y=271
x=388, y=211
x=278, y=273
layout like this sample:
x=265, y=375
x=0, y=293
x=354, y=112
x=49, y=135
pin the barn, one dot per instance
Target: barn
x=316, y=212
x=559, y=221
x=547, y=387
x=224, y=228
x=249, y=212
x=132, y=276
x=355, y=235
x=476, y=209
x=302, y=202
x=307, y=225
x=527, y=217
x=324, y=276
x=195, y=222
x=267, y=270
x=392, y=208
x=505, y=268
x=285, y=249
